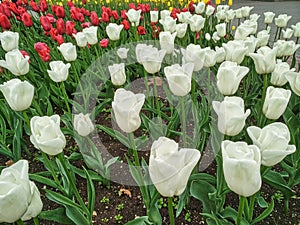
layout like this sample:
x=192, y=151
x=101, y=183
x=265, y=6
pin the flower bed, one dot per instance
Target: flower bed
x=188, y=112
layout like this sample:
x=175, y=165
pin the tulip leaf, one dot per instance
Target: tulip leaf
x=265, y=213
x=93, y=175
x=60, y=199
x=276, y=180
x=42, y=180
x=5, y=151
x=90, y=191
x=230, y=213
x=115, y=134
x=202, y=190
x=57, y=215
x=154, y=215
x=204, y=177
x=143, y=220
x=262, y=202
x=76, y=215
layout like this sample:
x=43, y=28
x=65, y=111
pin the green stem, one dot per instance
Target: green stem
x=241, y=209
x=170, y=210
x=72, y=183
x=53, y=173
x=275, y=34
x=20, y=222
x=183, y=121
x=26, y=118
x=79, y=83
x=251, y=207
x=133, y=147
x=36, y=221
x=65, y=96
x=262, y=118
x=158, y=111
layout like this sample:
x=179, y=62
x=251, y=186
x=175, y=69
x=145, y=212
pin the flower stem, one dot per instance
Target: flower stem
x=20, y=222
x=26, y=118
x=241, y=209
x=251, y=208
x=73, y=185
x=133, y=147
x=170, y=210
x=36, y=221
x=262, y=118
x=79, y=83
x=183, y=121
x=157, y=100
x=65, y=96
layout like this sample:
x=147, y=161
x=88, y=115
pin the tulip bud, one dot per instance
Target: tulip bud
x=91, y=34
x=59, y=71
x=117, y=74
x=18, y=94
x=68, y=51
x=15, y=62
x=294, y=81
x=231, y=115
x=83, y=124
x=9, y=40
x=264, y=60
x=113, y=31
x=241, y=167
x=122, y=52
x=169, y=168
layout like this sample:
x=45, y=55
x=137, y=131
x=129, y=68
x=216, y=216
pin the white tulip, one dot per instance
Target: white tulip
x=179, y=78
x=250, y=43
x=294, y=81
x=183, y=17
x=193, y=54
x=263, y=38
x=264, y=60
x=117, y=74
x=166, y=41
x=209, y=59
x=134, y=16
x=91, y=34
x=215, y=36
x=113, y=31
x=241, y=167
x=169, y=167
x=229, y=77
x=285, y=48
x=196, y=23
x=83, y=124
x=200, y=7
x=15, y=62
x=221, y=15
x=235, y=51
x=222, y=7
x=282, y=20
x=59, y=71
x=296, y=29
x=209, y=10
x=246, y=10
x=169, y=24
x=46, y=134
x=220, y=54
x=139, y=51
x=275, y=102
x=81, y=39
x=230, y=14
x=207, y=37
x=238, y=13
x=153, y=16
x=288, y=33
x=269, y=16
x=68, y=50
x=181, y=30
x=273, y=142
x=278, y=75
x=122, y=53
x=221, y=29
x=164, y=13
x=9, y=40
x=231, y=115
x=152, y=59
x=18, y=94
x=19, y=197
x=126, y=108
x=243, y=31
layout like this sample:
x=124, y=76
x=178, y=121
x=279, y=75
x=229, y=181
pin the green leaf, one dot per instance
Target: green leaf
x=262, y=202
x=202, y=191
x=90, y=191
x=204, y=177
x=115, y=134
x=57, y=215
x=76, y=216
x=42, y=180
x=276, y=180
x=139, y=221
x=154, y=215
x=60, y=199
x=265, y=213
x=230, y=213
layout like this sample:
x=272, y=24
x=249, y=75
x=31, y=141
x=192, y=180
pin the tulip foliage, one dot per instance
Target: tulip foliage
x=202, y=88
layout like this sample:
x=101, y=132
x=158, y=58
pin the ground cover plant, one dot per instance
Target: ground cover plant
x=148, y=113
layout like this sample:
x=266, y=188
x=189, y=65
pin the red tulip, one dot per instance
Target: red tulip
x=70, y=4
x=104, y=42
x=184, y=10
x=59, y=39
x=59, y=11
x=141, y=7
x=126, y=24
x=132, y=6
x=84, y=2
x=94, y=18
x=43, y=5
x=43, y=50
x=24, y=53
x=14, y=8
x=148, y=7
x=123, y=14
x=191, y=7
x=26, y=19
x=86, y=24
x=4, y=22
x=5, y=10
x=70, y=28
x=85, y=12
x=51, y=18
x=105, y=17
x=60, y=26
x=115, y=14
x=34, y=6
x=141, y=30
x=45, y=23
